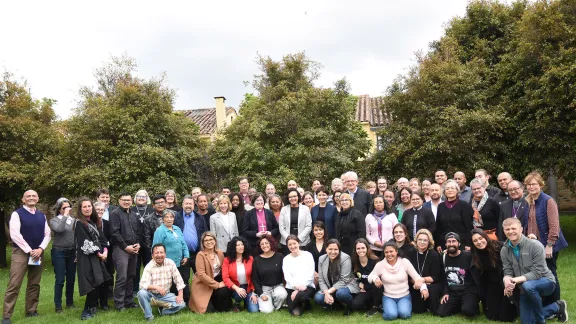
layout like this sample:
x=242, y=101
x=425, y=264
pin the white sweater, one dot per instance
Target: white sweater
x=299, y=271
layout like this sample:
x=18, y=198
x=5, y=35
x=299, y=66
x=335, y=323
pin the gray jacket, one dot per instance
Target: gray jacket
x=224, y=234
x=347, y=278
x=532, y=261
x=304, y=224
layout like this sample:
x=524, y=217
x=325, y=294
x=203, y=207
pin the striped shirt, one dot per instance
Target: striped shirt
x=161, y=275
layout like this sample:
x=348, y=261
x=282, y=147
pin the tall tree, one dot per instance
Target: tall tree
x=291, y=129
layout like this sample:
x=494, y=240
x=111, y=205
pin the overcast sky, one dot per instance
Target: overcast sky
x=208, y=48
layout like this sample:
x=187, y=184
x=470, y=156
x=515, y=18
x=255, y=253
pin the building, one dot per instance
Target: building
x=370, y=114
x=211, y=120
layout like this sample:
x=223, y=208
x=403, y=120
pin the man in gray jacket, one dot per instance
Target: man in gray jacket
x=524, y=265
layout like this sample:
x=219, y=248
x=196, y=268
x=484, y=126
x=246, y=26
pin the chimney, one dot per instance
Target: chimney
x=220, y=112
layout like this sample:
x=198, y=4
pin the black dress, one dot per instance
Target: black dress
x=457, y=219
x=424, y=219
x=311, y=247
x=427, y=264
x=91, y=270
x=350, y=225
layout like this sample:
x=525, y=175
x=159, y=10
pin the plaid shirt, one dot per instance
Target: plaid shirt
x=161, y=275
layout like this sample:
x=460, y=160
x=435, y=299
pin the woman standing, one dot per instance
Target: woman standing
x=405, y=203
x=275, y=203
x=209, y=293
x=392, y=273
x=317, y=247
x=488, y=274
x=337, y=282
x=402, y=240
x=295, y=219
x=324, y=212
x=382, y=185
x=308, y=200
x=172, y=201
x=363, y=263
x=426, y=183
x=90, y=256
x=415, y=185
x=237, y=274
x=427, y=263
x=63, y=253
x=371, y=188
x=417, y=218
x=267, y=276
x=298, y=268
x=258, y=222
x=379, y=225
x=455, y=216
x=350, y=224
x=223, y=223
x=238, y=207
x=486, y=209
x=336, y=199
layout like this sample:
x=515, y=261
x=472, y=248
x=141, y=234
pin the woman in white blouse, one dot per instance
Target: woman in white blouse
x=223, y=223
x=298, y=268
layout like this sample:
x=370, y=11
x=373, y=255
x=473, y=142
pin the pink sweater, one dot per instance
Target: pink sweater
x=395, y=278
x=372, y=229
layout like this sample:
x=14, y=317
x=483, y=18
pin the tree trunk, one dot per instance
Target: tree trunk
x=552, y=183
x=3, y=239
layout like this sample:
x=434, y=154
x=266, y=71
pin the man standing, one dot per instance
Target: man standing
x=524, y=265
x=30, y=235
x=204, y=209
x=460, y=290
x=244, y=185
x=270, y=189
x=504, y=179
x=440, y=177
x=154, y=221
x=226, y=191
x=465, y=191
x=157, y=278
x=485, y=178
x=435, y=199
x=362, y=198
x=514, y=207
x=124, y=226
x=336, y=185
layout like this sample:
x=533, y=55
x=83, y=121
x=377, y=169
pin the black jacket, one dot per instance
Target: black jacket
x=507, y=211
x=490, y=213
x=151, y=223
x=458, y=219
x=501, y=197
x=362, y=201
x=91, y=270
x=250, y=225
x=125, y=227
x=142, y=217
x=350, y=225
x=425, y=220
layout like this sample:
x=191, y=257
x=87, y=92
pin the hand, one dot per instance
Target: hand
x=439, y=249
x=179, y=300
x=444, y=299
x=260, y=234
x=467, y=248
x=241, y=292
x=184, y=261
x=254, y=299
x=425, y=294
x=378, y=283
x=221, y=285
x=509, y=284
x=161, y=291
x=508, y=292
x=377, y=244
x=328, y=298
x=532, y=237
x=130, y=249
x=137, y=248
x=549, y=251
x=418, y=283
x=67, y=211
x=264, y=297
x=293, y=295
x=36, y=254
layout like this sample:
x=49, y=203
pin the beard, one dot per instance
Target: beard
x=452, y=249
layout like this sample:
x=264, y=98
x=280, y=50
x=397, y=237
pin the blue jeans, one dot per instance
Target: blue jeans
x=397, y=307
x=64, y=269
x=342, y=295
x=531, y=309
x=144, y=297
x=252, y=308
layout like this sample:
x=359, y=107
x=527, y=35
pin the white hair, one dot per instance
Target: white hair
x=351, y=175
x=337, y=180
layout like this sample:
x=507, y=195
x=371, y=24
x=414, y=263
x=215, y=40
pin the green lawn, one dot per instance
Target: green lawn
x=566, y=273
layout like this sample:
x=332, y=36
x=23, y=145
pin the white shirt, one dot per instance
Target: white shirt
x=299, y=271
x=435, y=208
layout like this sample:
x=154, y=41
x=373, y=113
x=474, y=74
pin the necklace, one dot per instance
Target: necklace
x=420, y=269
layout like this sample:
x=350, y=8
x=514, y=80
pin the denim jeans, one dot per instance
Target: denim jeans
x=531, y=309
x=342, y=295
x=252, y=308
x=64, y=269
x=144, y=297
x=397, y=307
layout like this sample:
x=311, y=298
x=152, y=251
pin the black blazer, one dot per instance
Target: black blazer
x=350, y=225
x=250, y=225
x=506, y=211
x=362, y=201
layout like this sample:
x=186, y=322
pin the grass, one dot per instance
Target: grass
x=566, y=273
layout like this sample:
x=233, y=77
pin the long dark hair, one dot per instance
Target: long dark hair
x=369, y=253
x=240, y=210
x=405, y=229
x=387, y=208
x=334, y=266
x=93, y=218
x=492, y=248
x=319, y=224
x=231, y=249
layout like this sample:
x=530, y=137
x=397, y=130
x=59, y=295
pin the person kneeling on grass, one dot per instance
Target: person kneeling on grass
x=157, y=278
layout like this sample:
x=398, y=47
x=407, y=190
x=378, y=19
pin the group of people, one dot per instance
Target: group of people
x=433, y=246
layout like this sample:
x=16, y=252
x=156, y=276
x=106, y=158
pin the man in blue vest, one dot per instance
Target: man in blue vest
x=30, y=235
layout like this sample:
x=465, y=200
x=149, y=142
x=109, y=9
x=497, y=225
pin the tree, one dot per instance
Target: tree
x=290, y=129
x=124, y=136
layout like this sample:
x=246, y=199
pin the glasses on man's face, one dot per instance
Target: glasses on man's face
x=416, y=199
x=126, y=200
x=512, y=190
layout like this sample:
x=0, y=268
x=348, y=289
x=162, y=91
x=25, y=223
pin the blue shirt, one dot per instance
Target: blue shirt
x=190, y=230
x=176, y=248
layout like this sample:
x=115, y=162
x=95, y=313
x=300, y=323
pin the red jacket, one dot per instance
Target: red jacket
x=230, y=275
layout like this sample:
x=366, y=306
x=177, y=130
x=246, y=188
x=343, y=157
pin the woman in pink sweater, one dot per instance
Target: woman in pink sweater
x=393, y=272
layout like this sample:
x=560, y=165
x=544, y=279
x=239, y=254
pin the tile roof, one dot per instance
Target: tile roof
x=370, y=110
x=206, y=118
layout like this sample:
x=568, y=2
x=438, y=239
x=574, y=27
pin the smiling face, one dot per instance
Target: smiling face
x=308, y=200
x=170, y=198
x=513, y=231
x=452, y=245
x=100, y=211
x=188, y=205
x=292, y=184
x=141, y=200
x=30, y=198
x=239, y=248
x=265, y=245
x=195, y=193
x=259, y=203
x=451, y=191
x=399, y=234
x=159, y=205
x=86, y=208
x=270, y=189
x=426, y=187
x=243, y=185
x=515, y=190
x=318, y=233
x=322, y=197
x=235, y=201
x=208, y=243
x=422, y=242
x=333, y=251
x=477, y=190
x=159, y=254
x=345, y=201
x=415, y=186
x=371, y=189
x=416, y=201
x=382, y=185
x=315, y=185
x=361, y=249
x=504, y=179
x=389, y=197
x=293, y=246
x=336, y=197
x=390, y=254
x=223, y=206
x=479, y=241
x=125, y=201
x=275, y=203
x=440, y=177
x=405, y=197
x=202, y=203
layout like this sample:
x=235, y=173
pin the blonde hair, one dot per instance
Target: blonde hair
x=534, y=175
x=345, y=194
x=370, y=184
x=427, y=233
x=221, y=199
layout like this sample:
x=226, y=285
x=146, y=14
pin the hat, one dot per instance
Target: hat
x=452, y=235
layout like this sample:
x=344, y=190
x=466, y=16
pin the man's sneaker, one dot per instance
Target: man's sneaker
x=372, y=311
x=562, y=311
x=86, y=315
x=160, y=310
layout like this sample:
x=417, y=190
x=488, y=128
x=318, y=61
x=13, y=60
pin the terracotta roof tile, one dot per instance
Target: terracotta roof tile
x=206, y=118
x=370, y=110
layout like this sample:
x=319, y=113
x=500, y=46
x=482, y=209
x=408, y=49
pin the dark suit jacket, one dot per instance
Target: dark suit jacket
x=506, y=211
x=330, y=213
x=250, y=225
x=199, y=222
x=362, y=201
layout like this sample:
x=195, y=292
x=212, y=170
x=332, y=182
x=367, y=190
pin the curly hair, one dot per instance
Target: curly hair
x=271, y=240
x=231, y=249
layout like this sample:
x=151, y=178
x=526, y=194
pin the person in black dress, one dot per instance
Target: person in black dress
x=427, y=263
x=317, y=245
x=417, y=218
x=402, y=240
x=454, y=215
x=488, y=274
x=363, y=262
x=350, y=224
x=486, y=210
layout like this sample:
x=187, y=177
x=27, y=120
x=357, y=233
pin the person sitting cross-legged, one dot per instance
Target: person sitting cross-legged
x=157, y=278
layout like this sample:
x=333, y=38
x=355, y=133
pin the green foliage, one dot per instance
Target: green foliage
x=292, y=129
x=124, y=136
x=27, y=137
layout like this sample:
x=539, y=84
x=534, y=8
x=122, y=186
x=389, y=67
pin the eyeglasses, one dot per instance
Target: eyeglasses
x=208, y=240
x=290, y=197
x=511, y=190
x=532, y=184
x=344, y=200
x=141, y=197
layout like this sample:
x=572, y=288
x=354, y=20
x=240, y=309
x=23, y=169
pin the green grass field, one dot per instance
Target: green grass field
x=566, y=273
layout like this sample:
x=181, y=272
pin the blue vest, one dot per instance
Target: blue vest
x=542, y=222
x=31, y=227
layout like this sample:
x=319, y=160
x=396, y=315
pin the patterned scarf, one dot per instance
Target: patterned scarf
x=477, y=206
x=379, y=217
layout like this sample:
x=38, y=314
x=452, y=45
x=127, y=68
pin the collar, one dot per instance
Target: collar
x=509, y=243
x=30, y=210
x=353, y=192
x=184, y=214
x=159, y=265
x=417, y=209
x=466, y=188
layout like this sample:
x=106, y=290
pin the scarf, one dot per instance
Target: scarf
x=379, y=217
x=477, y=206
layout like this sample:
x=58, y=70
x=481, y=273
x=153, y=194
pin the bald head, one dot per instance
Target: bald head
x=460, y=178
x=504, y=179
x=435, y=192
x=30, y=198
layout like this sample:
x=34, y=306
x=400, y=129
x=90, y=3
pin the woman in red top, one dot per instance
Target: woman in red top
x=237, y=274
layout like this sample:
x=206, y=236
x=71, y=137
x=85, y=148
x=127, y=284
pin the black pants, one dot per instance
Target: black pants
x=302, y=299
x=125, y=264
x=368, y=299
x=92, y=299
x=221, y=299
x=496, y=306
x=185, y=274
x=419, y=305
x=110, y=268
x=555, y=296
x=466, y=303
x=144, y=256
x=103, y=291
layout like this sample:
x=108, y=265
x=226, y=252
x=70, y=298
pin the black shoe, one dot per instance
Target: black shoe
x=34, y=314
x=105, y=308
x=562, y=311
x=372, y=311
x=6, y=321
x=93, y=311
x=86, y=315
x=71, y=306
x=347, y=311
x=58, y=310
x=120, y=309
x=132, y=305
x=296, y=312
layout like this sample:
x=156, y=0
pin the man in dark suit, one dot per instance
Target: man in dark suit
x=513, y=207
x=362, y=198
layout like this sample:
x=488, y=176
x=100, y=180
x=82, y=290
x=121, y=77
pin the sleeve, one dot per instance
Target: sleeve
x=115, y=230
x=145, y=279
x=148, y=232
x=310, y=265
x=83, y=239
x=15, y=234
x=345, y=274
x=58, y=225
x=185, y=252
x=538, y=267
x=553, y=222
x=467, y=215
x=159, y=237
x=246, y=232
x=436, y=269
x=412, y=272
x=499, y=229
x=274, y=224
x=201, y=273
x=226, y=273
x=256, y=278
x=47, y=236
x=177, y=278
x=321, y=280
x=376, y=272
x=431, y=221
x=361, y=225
x=236, y=232
x=369, y=235
x=506, y=264
x=288, y=277
x=282, y=225
x=213, y=224
x=308, y=225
